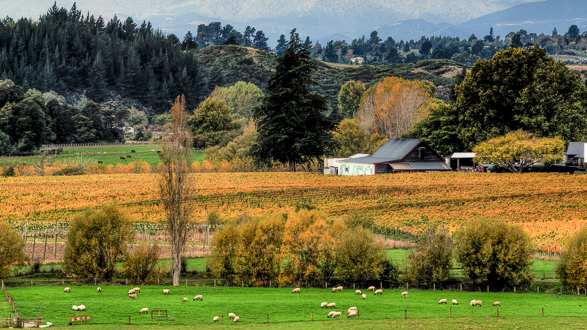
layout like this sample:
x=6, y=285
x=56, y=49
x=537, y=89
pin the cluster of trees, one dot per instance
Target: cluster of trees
x=215, y=34
x=304, y=247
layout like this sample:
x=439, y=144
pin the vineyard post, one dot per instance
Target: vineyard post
x=34, y=243
x=25, y=235
x=45, y=250
x=55, y=242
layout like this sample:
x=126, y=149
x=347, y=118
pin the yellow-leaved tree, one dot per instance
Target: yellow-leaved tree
x=572, y=267
x=350, y=139
x=519, y=150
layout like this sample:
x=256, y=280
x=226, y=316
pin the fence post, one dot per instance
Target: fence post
x=433, y=286
x=129, y=320
x=406, y=314
x=450, y=312
x=461, y=285
x=542, y=311
x=311, y=316
x=222, y=318
x=45, y=250
x=514, y=289
x=497, y=311
x=267, y=318
x=487, y=288
x=381, y=285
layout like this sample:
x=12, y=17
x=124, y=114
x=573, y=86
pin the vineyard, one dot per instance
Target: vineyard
x=548, y=206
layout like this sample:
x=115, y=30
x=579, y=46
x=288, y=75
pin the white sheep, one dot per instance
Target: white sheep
x=236, y=319
x=405, y=294
x=475, y=303
x=364, y=296
x=131, y=291
x=339, y=288
x=472, y=302
x=323, y=305
x=497, y=303
x=351, y=314
x=336, y=314
x=144, y=310
x=330, y=314
x=216, y=318
x=184, y=299
x=296, y=290
x=99, y=289
x=331, y=305
x=81, y=308
x=132, y=296
x=137, y=290
x=231, y=315
x=165, y=291
x=378, y=291
x=334, y=289
x=66, y=289
x=351, y=309
x=371, y=288
x=358, y=292
x=74, y=307
x=443, y=301
x=198, y=297
x=454, y=302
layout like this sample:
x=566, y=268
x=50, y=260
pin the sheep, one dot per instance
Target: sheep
x=364, y=296
x=184, y=299
x=351, y=309
x=331, y=305
x=74, y=307
x=131, y=291
x=236, y=319
x=358, y=292
x=165, y=291
x=336, y=314
x=324, y=304
x=405, y=294
x=443, y=301
x=66, y=289
x=334, y=290
x=371, y=288
x=81, y=308
x=497, y=303
x=216, y=318
x=330, y=314
x=99, y=289
x=352, y=313
x=296, y=290
x=339, y=288
x=378, y=291
x=475, y=303
x=137, y=290
x=132, y=296
x=144, y=310
x=454, y=302
x=198, y=297
x=231, y=315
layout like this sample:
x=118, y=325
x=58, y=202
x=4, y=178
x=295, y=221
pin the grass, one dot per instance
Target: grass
x=112, y=307
x=5, y=308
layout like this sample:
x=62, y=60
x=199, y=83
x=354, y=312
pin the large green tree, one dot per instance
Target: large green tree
x=349, y=98
x=292, y=124
x=210, y=123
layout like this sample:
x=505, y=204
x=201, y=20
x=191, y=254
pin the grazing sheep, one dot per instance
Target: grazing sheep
x=497, y=303
x=336, y=314
x=324, y=304
x=137, y=290
x=198, y=297
x=236, y=319
x=330, y=314
x=132, y=296
x=339, y=288
x=443, y=301
x=66, y=289
x=405, y=294
x=364, y=296
x=216, y=318
x=358, y=292
x=231, y=315
x=75, y=308
x=296, y=290
x=131, y=291
x=371, y=288
x=351, y=309
x=475, y=303
x=351, y=314
x=184, y=299
x=331, y=305
x=378, y=291
x=81, y=308
x=454, y=302
x=334, y=289
x=144, y=310
x=165, y=291
x=99, y=289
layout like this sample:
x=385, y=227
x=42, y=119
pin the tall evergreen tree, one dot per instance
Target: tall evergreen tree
x=97, y=80
x=292, y=125
x=260, y=40
x=281, y=45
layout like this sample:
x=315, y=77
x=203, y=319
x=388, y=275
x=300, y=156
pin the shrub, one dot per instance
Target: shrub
x=495, y=253
x=11, y=249
x=358, y=257
x=96, y=241
x=572, y=267
x=142, y=265
x=70, y=170
x=431, y=261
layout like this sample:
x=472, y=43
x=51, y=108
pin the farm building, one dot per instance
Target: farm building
x=396, y=155
x=331, y=165
x=462, y=161
x=575, y=155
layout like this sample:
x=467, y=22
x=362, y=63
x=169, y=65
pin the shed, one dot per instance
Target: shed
x=331, y=165
x=462, y=161
x=575, y=155
x=396, y=155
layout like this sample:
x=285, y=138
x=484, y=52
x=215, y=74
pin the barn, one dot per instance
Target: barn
x=396, y=156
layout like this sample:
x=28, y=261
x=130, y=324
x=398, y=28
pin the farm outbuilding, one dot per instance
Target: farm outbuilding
x=463, y=161
x=396, y=155
x=331, y=165
x=575, y=155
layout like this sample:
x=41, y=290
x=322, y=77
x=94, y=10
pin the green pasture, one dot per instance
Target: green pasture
x=112, y=307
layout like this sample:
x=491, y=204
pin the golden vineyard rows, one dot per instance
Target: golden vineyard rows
x=548, y=206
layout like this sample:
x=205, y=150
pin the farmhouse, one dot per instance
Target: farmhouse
x=396, y=155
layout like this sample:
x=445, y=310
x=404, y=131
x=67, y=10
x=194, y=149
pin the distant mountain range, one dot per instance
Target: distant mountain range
x=324, y=20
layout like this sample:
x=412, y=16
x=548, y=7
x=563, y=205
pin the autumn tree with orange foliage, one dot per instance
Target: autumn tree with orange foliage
x=393, y=105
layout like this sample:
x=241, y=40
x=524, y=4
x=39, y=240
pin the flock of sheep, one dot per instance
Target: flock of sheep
x=472, y=303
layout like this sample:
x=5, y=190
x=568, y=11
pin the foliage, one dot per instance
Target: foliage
x=291, y=124
x=96, y=242
x=349, y=98
x=356, y=220
x=237, y=153
x=359, y=258
x=211, y=123
x=393, y=105
x=176, y=186
x=431, y=262
x=517, y=151
x=349, y=139
x=572, y=267
x=11, y=249
x=224, y=253
x=142, y=264
x=241, y=98
x=494, y=253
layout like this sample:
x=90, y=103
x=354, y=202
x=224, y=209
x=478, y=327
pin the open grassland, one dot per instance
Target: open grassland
x=112, y=306
x=548, y=206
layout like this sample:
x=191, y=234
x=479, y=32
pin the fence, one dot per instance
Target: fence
x=9, y=299
x=77, y=145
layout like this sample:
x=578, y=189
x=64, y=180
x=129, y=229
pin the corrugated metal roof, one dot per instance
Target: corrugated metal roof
x=401, y=167
x=576, y=149
x=460, y=155
x=437, y=166
x=365, y=160
x=396, y=148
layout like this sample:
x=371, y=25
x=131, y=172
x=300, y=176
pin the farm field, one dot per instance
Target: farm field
x=113, y=307
x=548, y=206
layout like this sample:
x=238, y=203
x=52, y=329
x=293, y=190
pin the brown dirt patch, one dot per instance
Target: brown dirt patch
x=394, y=244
